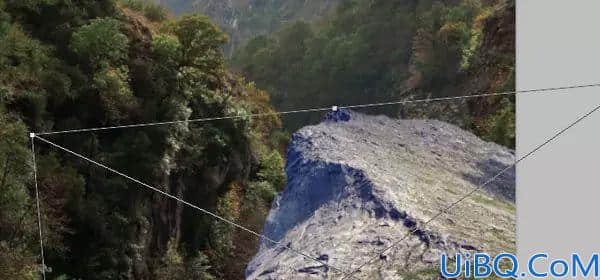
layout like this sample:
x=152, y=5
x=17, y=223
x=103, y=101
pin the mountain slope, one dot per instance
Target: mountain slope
x=356, y=186
x=388, y=50
x=244, y=19
x=95, y=63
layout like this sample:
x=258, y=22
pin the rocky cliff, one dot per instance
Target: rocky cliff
x=357, y=183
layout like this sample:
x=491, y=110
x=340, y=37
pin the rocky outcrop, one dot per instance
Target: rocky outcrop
x=357, y=184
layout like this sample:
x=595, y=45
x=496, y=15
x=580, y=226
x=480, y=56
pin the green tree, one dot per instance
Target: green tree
x=60, y=188
x=201, y=43
x=167, y=47
x=69, y=64
x=100, y=41
x=18, y=225
x=378, y=51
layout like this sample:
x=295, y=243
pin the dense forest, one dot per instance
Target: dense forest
x=73, y=64
x=380, y=51
x=244, y=19
x=91, y=63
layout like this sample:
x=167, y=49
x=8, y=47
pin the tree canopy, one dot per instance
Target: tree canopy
x=380, y=51
x=73, y=64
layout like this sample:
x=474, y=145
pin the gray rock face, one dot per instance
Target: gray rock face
x=357, y=184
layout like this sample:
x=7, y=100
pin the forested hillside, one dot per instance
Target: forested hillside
x=244, y=19
x=92, y=63
x=379, y=51
x=74, y=64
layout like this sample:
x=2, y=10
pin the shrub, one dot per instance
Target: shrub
x=279, y=140
x=272, y=170
x=258, y=192
x=115, y=94
x=172, y=265
x=199, y=267
x=136, y=5
x=502, y=125
x=155, y=12
x=152, y=11
x=166, y=46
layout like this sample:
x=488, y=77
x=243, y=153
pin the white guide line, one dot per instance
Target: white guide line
x=37, y=200
x=445, y=210
x=332, y=108
x=277, y=243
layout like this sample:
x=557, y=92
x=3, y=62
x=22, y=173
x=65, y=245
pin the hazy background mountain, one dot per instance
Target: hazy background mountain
x=244, y=19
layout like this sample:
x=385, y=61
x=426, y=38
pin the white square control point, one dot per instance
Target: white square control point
x=31, y=134
x=334, y=108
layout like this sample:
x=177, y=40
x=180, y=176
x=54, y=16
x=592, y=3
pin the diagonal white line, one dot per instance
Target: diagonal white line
x=351, y=274
x=449, y=98
x=277, y=243
x=183, y=121
x=529, y=91
x=39, y=215
x=293, y=112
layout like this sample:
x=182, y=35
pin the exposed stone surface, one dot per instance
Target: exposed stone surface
x=357, y=186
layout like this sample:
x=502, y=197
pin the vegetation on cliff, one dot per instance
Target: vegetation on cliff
x=244, y=19
x=378, y=51
x=74, y=64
